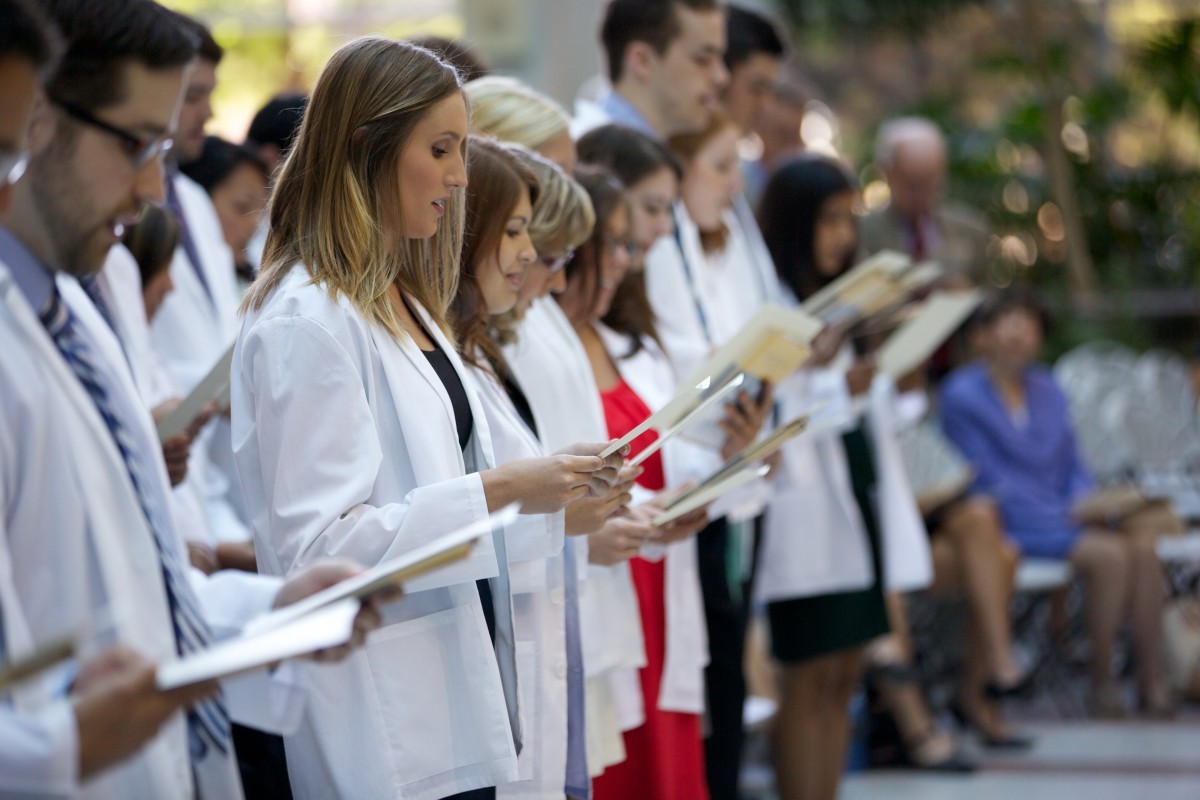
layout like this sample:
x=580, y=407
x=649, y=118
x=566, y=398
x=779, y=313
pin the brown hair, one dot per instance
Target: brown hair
x=685, y=146
x=336, y=186
x=496, y=178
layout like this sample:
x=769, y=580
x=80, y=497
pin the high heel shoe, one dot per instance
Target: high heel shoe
x=1022, y=688
x=1012, y=741
x=916, y=754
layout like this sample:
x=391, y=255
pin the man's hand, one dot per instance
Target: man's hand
x=118, y=707
x=324, y=574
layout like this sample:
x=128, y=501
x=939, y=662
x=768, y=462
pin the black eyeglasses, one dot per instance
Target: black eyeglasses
x=555, y=263
x=139, y=149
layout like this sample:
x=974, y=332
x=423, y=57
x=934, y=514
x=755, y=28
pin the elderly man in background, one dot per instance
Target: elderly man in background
x=919, y=220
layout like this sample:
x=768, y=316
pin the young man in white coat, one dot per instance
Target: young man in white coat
x=198, y=320
x=667, y=69
x=85, y=542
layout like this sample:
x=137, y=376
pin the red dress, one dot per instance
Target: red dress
x=664, y=757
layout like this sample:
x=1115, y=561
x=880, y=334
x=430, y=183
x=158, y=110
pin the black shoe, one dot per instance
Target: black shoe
x=1011, y=742
x=1022, y=689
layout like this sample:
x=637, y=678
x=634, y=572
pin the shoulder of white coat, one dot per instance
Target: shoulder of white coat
x=299, y=297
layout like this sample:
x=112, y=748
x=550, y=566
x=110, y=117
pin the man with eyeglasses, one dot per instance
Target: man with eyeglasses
x=86, y=548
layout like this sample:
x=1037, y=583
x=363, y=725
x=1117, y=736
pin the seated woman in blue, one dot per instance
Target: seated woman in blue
x=1010, y=419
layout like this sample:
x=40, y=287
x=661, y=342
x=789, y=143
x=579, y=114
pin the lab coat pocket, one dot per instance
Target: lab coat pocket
x=446, y=709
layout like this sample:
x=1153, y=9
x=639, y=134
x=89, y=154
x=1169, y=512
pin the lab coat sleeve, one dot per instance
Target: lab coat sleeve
x=319, y=454
x=39, y=751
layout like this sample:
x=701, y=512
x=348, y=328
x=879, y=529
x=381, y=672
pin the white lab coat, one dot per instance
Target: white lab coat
x=652, y=377
x=814, y=539
x=74, y=524
x=123, y=283
x=346, y=445
x=702, y=300
x=39, y=741
x=535, y=557
x=191, y=332
x=549, y=362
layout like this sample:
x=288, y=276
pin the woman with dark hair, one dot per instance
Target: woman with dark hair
x=664, y=751
x=824, y=582
x=1007, y=414
x=237, y=182
x=152, y=242
x=498, y=251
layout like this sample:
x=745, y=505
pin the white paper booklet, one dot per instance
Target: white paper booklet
x=330, y=626
x=707, y=492
x=444, y=550
x=214, y=386
x=916, y=340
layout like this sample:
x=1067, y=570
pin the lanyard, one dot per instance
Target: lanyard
x=692, y=279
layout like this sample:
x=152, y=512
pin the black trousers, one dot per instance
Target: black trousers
x=727, y=613
x=262, y=764
x=475, y=794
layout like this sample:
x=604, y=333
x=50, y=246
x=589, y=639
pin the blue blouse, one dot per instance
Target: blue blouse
x=1030, y=467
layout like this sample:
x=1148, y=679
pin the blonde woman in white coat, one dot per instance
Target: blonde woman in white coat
x=548, y=361
x=355, y=432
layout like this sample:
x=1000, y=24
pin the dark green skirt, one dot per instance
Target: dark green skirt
x=808, y=627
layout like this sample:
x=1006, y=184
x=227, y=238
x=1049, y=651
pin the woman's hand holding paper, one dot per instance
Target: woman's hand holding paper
x=620, y=539
x=744, y=419
x=589, y=514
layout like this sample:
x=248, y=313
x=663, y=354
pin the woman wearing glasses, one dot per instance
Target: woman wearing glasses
x=357, y=432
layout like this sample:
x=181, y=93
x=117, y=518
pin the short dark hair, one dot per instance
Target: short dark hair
x=218, y=159
x=26, y=33
x=206, y=47
x=101, y=38
x=468, y=63
x=278, y=121
x=630, y=154
x=747, y=33
x=654, y=22
x=152, y=241
x=1016, y=298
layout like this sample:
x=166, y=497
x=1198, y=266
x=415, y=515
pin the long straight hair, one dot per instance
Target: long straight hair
x=496, y=178
x=340, y=181
x=787, y=217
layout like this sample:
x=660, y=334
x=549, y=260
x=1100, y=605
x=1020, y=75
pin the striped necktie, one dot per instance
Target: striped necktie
x=208, y=722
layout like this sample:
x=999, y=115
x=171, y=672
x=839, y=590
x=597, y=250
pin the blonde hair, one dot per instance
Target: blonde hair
x=337, y=186
x=563, y=217
x=510, y=111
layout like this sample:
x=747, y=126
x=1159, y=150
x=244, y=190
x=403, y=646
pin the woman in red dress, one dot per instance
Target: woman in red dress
x=665, y=754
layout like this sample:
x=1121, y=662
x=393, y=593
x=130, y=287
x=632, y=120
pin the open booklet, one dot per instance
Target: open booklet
x=1111, y=504
x=214, y=386
x=324, y=619
x=677, y=412
x=916, y=340
x=43, y=658
x=771, y=346
x=734, y=473
x=878, y=282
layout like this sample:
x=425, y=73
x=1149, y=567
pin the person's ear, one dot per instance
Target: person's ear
x=640, y=61
x=43, y=123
